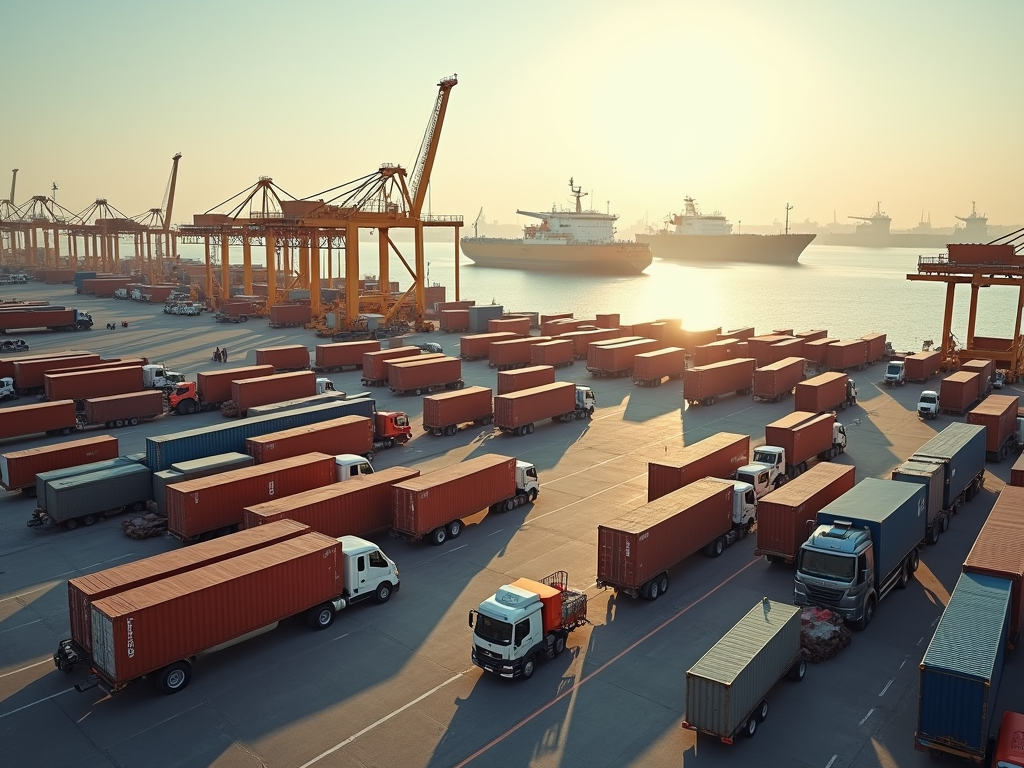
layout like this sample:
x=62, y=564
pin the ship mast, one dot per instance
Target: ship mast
x=788, y=209
x=577, y=192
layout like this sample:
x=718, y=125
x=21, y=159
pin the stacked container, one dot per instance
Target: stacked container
x=335, y=357
x=716, y=351
x=99, y=383
x=249, y=393
x=375, y=368
x=349, y=434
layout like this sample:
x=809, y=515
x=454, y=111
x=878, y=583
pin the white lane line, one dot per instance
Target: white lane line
x=497, y=531
x=920, y=641
x=27, y=623
x=339, y=637
x=383, y=720
x=891, y=681
x=31, y=591
x=936, y=620
x=456, y=549
x=104, y=562
x=60, y=693
x=829, y=763
x=865, y=719
x=22, y=669
x=904, y=661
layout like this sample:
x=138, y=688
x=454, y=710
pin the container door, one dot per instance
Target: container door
x=103, y=644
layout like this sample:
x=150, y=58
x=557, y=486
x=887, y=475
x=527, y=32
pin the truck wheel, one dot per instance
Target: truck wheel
x=529, y=428
x=510, y=504
x=174, y=677
x=320, y=617
x=88, y=520
x=450, y=430
x=762, y=711
x=915, y=560
x=716, y=547
x=798, y=670
x=933, y=533
x=559, y=644
x=134, y=420
x=945, y=524
x=187, y=407
x=751, y=727
x=439, y=536
x=869, y=614
x=904, y=575
x=454, y=529
x=383, y=593
x=532, y=495
x=663, y=583
x=529, y=666
x=651, y=590
x=70, y=524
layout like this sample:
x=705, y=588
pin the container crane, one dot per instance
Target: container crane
x=158, y=220
x=476, y=221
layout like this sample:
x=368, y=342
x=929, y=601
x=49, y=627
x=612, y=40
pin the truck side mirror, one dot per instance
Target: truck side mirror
x=864, y=575
x=471, y=619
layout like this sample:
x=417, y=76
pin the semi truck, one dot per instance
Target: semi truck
x=51, y=318
x=727, y=689
x=776, y=381
x=445, y=413
x=1004, y=431
x=434, y=505
x=421, y=376
x=704, y=384
x=717, y=456
x=278, y=387
x=159, y=377
x=211, y=388
x=525, y=622
x=928, y=404
x=122, y=410
x=18, y=469
x=895, y=374
x=7, y=390
x=618, y=359
x=87, y=497
x=636, y=550
x=866, y=544
x=826, y=392
x=517, y=412
x=139, y=633
x=53, y=418
x=790, y=443
x=960, y=449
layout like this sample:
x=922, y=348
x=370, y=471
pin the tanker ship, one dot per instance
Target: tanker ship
x=698, y=237
x=564, y=241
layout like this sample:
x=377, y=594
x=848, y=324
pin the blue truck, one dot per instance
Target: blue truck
x=960, y=449
x=866, y=543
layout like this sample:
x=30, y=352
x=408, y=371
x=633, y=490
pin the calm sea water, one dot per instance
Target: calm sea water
x=848, y=291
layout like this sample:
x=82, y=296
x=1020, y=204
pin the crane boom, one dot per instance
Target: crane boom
x=428, y=149
x=14, y=181
x=169, y=204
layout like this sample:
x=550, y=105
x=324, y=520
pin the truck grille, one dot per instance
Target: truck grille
x=824, y=595
x=486, y=654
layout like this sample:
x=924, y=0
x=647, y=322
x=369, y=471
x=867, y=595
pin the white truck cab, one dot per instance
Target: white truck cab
x=324, y=385
x=928, y=404
x=895, y=376
x=349, y=465
x=7, y=389
x=527, y=482
x=368, y=572
x=586, y=400
x=744, y=503
x=158, y=377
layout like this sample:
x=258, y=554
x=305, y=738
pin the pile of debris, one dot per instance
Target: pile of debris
x=145, y=527
x=823, y=634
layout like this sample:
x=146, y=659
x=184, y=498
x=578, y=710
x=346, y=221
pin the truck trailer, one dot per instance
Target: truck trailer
x=717, y=456
x=825, y=392
x=517, y=412
x=88, y=497
x=445, y=413
x=18, y=469
x=704, y=384
x=1004, y=431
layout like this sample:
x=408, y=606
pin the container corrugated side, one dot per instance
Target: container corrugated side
x=528, y=406
x=131, y=405
x=932, y=475
x=28, y=373
x=922, y=365
x=803, y=435
x=717, y=456
x=95, y=492
x=375, y=366
x=513, y=351
x=962, y=448
x=262, y=390
x=42, y=478
x=99, y=383
x=581, y=339
x=343, y=353
x=778, y=378
x=83, y=591
x=289, y=357
x=959, y=391
x=594, y=346
x=1017, y=472
x=476, y=345
x=555, y=352
x=18, y=469
x=451, y=408
x=7, y=364
x=849, y=353
x=349, y=434
x=432, y=373
x=820, y=393
x=215, y=386
x=876, y=346
x=146, y=628
x=817, y=351
x=998, y=414
x=718, y=378
x=716, y=351
x=525, y=378
x=653, y=366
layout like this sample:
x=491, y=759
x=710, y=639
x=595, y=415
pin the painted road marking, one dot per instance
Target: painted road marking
x=60, y=693
x=829, y=763
x=865, y=719
x=26, y=624
x=30, y=666
x=891, y=681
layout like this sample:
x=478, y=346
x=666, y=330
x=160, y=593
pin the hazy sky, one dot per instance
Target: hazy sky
x=744, y=104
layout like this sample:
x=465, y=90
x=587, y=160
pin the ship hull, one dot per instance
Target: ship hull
x=766, y=249
x=605, y=258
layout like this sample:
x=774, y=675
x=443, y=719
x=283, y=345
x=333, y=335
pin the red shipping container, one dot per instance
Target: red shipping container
x=977, y=253
x=783, y=514
x=791, y=348
x=289, y=314
x=717, y=456
x=41, y=417
x=690, y=340
x=528, y=406
x=104, y=287
x=801, y=434
x=821, y=393
x=649, y=368
x=843, y=355
x=334, y=357
x=958, y=392
x=389, y=365
x=215, y=386
x=716, y=351
x=18, y=469
x=999, y=551
x=617, y=359
x=556, y=353
x=48, y=318
x=921, y=366
x=28, y=373
x=454, y=320
x=739, y=333
x=447, y=410
x=443, y=306
x=357, y=507
x=206, y=504
x=1017, y=473
x=517, y=325
x=876, y=346
x=249, y=393
x=759, y=347
x=294, y=357
x=348, y=434
x=82, y=385
x=437, y=498
x=556, y=327
x=593, y=347
x=415, y=377
x=83, y=591
x=986, y=369
x=816, y=351
x=154, y=625
x=7, y=363
x=128, y=408
x=525, y=378
x=581, y=339
x=117, y=362
x=998, y=415
x=375, y=363
x=559, y=316
x=641, y=544
x=607, y=320
x=775, y=381
x=501, y=354
x=477, y=346
x=812, y=335
x=783, y=332
x=706, y=383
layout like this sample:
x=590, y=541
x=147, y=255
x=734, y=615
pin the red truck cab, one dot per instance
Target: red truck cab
x=1009, y=751
x=391, y=428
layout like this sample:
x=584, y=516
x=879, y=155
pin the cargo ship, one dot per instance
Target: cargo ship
x=695, y=236
x=564, y=241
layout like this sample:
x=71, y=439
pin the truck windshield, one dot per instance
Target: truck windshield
x=181, y=391
x=763, y=457
x=493, y=630
x=894, y=370
x=402, y=421
x=827, y=566
x=928, y=398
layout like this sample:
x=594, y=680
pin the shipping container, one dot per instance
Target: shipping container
x=962, y=669
x=637, y=547
x=727, y=689
x=594, y=347
x=277, y=388
x=876, y=346
x=124, y=410
x=960, y=448
x=606, y=320
x=716, y=352
x=738, y=333
x=512, y=353
x=525, y=378
x=82, y=385
x=958, y=392
x=977, y=253
x=704, y=384
x=151, y=627
x=847, y=355
x=826, y=392
x=53, y=418
x=814, y=335
x=986, y=369
x=651, y=368
x=357, y=507
x=479, y=315
x=389, y=365
x=581, y=339
x=998, y=414
x=802, y=435
x=214, y=387
x=42, y=478
x=454, y=320
x=293, y=357
x=215, y=503
x=816, y=351
x=932, y=475
x=560, y=325
x=164, y=450
x=556, y=353
x=775, y=381
x=1017, y=472
x=690, y=339
x=349, y=434
x=786, y=349
x=717, y=456
x=422, y=376
x=999, y=551
x=18, y=469
x=194, y=469
x=335, y=357
x=517, y=325
x=375, y=369
x=920, y=367
x=520, y=410
x=7, y=363
x=90, y=496
x=327, y=396
x=116, y=362
x=50, y=317
x=477, y=346
x=28, y=373
x=289, y=315
x=785, y=517
x=443, y=413
x=759, y=347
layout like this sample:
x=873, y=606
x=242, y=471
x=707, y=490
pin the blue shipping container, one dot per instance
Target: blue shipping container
x=80, y=276
x=895, y=513
x=962, y=667
x=164, y=450
x=961, y=447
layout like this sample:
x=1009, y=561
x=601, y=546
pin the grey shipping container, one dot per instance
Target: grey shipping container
x=932, y=475
x=291, y=405
x=56, y=474
x=164, y=450
x=160, y=482
x=961, y=447
x=726, y=688
x=962, y=669
x=95, y=493
x=479, y=315
x=190, y=470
